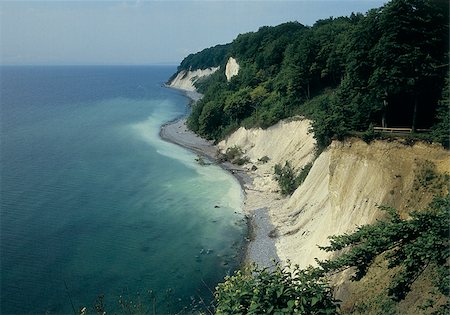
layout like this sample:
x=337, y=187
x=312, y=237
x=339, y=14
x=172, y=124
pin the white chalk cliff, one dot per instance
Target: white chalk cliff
x=185, y=79
x=231, y=69
x=341, y=191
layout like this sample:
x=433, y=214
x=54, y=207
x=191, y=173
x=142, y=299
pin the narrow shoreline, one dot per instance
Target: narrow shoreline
x=259, y=247
x=176, y=132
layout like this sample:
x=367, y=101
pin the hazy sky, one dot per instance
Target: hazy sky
x=143, y=32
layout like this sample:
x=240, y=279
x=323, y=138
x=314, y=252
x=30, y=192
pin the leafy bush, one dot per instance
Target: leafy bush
x=287, y=179
x=369, y=135
x=241, y=160
x=234, y=155
x=303, y=173
x=280, y=291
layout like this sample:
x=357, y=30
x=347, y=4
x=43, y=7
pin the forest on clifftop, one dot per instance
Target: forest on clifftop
x=388, y=68
x=385, y=68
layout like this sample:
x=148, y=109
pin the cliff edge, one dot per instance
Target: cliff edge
x=185, y=79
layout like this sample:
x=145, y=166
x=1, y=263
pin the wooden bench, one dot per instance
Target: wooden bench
x=398, y=130
x=383, y=129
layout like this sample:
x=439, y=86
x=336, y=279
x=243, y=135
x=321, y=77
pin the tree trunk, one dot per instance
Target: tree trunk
x=385, y=105
x=308, y=93
x=413, y=128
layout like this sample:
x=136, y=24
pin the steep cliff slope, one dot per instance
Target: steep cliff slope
x=285, y=141
x=343, y=188
x=185, y=79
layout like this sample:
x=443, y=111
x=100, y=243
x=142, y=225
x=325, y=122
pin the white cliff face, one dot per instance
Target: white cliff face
x=185, y=79
x=342, y=190
x=231, y=69
x=285, y=141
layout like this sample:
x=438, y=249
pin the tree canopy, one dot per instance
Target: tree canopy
x=384, y=68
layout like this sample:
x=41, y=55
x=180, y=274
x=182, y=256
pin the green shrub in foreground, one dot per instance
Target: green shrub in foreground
x=279, y=291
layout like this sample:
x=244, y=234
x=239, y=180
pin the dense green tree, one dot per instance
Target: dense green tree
x=330, y=36
x=441, y=129
x=407, y=55
x=210, y=119
x=296, y=76
x=239, y=105
x=209, y=57
x=386, y=68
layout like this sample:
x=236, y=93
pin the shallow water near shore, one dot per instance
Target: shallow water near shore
x=94, y=202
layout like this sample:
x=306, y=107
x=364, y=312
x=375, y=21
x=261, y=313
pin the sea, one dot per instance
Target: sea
x=96, y=210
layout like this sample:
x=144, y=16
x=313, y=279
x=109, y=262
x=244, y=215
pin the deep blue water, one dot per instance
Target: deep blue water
x=94, y=202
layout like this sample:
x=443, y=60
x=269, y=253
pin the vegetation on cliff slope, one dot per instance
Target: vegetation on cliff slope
x=412, y=247
x=288, y=178
x=385, y=68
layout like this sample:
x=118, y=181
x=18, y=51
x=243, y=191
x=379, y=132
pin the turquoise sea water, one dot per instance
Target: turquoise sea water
x=94, y=202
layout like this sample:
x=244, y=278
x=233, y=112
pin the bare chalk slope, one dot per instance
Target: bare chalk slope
x=343, y=189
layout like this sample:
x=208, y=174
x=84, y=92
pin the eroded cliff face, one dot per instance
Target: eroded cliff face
x=285, y=141
x=343, y=188
x=231, y=69
x=185, y=79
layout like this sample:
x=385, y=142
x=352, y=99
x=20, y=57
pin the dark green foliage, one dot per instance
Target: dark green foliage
x=328, y=120
x=231, y=154
x=303, y=173
x=209, y=57
x=241, y=161
x=410, y=245
x=287, y=178
x=279, y=291
x=441, y=129
x=385, y=68
x=369, y=135
x=408, y=47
